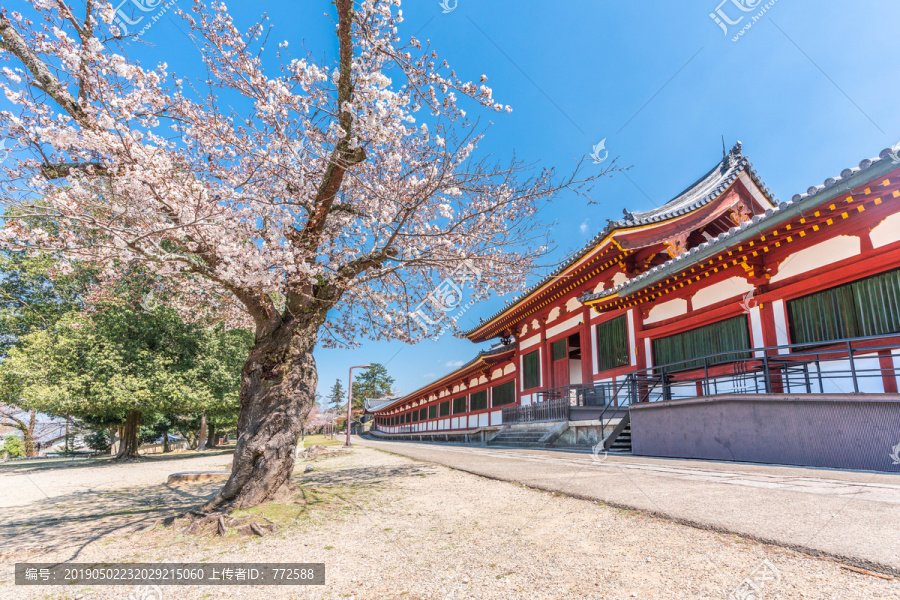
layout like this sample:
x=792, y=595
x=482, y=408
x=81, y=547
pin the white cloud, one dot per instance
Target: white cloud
x=584, y=227
x=427, y=375
x=454, y=363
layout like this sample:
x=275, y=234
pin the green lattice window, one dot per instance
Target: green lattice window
x=444, y=408
x=866, y=307
x=531, y=370
x=459, y=405
x=432, y=411
x=478, y=401
x=504, y=394
x=612, y=344
x=558, y=350
x=724, y=336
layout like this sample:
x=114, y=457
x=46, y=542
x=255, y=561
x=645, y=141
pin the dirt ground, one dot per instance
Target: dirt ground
x=388, y=527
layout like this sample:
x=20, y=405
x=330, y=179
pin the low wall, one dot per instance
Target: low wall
x=584, y=434
x=844, y=431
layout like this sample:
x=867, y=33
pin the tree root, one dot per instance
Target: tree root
x=194, y=522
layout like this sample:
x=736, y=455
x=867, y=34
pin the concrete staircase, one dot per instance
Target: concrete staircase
x=522, y=435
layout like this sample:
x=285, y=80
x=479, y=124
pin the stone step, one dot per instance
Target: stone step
x=513, y=444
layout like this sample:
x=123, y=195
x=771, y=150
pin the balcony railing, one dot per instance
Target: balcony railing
x=844, y=366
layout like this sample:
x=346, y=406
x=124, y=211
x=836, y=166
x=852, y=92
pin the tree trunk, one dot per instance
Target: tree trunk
x=211, y=438
x=165, y=441
x=278, y=385
x=128, y=447
x=28, y=435
x=201, y=435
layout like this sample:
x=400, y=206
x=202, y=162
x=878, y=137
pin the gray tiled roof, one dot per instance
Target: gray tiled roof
x=698, y=194
x=384, y=404
x=815, y=195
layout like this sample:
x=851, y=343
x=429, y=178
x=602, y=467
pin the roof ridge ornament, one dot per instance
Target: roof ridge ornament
x=734, y=155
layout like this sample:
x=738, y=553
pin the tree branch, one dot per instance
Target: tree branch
x=15, y=44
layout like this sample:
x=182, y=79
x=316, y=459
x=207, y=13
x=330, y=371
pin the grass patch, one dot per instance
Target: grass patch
x=305, y=500
x=311, y=440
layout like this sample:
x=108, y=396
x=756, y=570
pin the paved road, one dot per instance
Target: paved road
x=847, y=514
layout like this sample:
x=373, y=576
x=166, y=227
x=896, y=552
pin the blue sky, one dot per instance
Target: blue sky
x=809, y=89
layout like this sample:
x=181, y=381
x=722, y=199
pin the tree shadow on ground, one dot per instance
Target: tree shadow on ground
x=64, y=525
x=69, y=523
x=362, y=476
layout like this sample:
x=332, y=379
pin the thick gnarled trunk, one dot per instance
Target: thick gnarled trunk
x=278, y=386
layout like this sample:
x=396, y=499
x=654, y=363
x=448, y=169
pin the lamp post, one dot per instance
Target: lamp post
x=350, y=398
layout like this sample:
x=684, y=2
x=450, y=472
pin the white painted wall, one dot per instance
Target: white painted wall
x=887, y=232
x=723, y=290
x=756, y=330
x=564, y=326
x=781, y=328
x=823, y=253
x=667, y=310
x=632, y=341
x=529, y=342
x=574, y=372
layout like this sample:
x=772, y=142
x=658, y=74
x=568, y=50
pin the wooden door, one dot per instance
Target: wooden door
x=559, y=352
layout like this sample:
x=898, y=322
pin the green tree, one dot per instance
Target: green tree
x=337, y=397
x=35, y=292
x=13, y=445
x=372, y=383
x=124, y=363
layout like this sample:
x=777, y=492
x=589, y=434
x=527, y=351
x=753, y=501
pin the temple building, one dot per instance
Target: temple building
x=722, y=325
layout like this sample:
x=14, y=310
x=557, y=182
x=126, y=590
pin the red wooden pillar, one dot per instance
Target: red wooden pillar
x=545, y=356
x=517, y=364
x=767, y=315
x=587, y=348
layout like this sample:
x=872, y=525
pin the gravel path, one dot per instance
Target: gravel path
x=389, y=527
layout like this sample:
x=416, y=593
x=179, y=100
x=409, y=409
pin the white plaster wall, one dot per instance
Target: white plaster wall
x=497, y=373
x=824, y=253
x=896, y=356
x=781, y=328
x=667, y=310
x=723, y=290
x=574, y=372
x=887, y=232
x=496, y=417
x=632, y=342
x=594, y=366
x=754, y=191
x=528, y=343
x=836, y=376
x=526, y=399
x=510, y=368
x=756, y=330
x=483, y=420
x=619, y=279
x=553, y=314
x=648, y=351
x=573, y=304
x=564, y=326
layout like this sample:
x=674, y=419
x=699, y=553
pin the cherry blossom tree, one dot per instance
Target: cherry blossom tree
x=320, y=200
